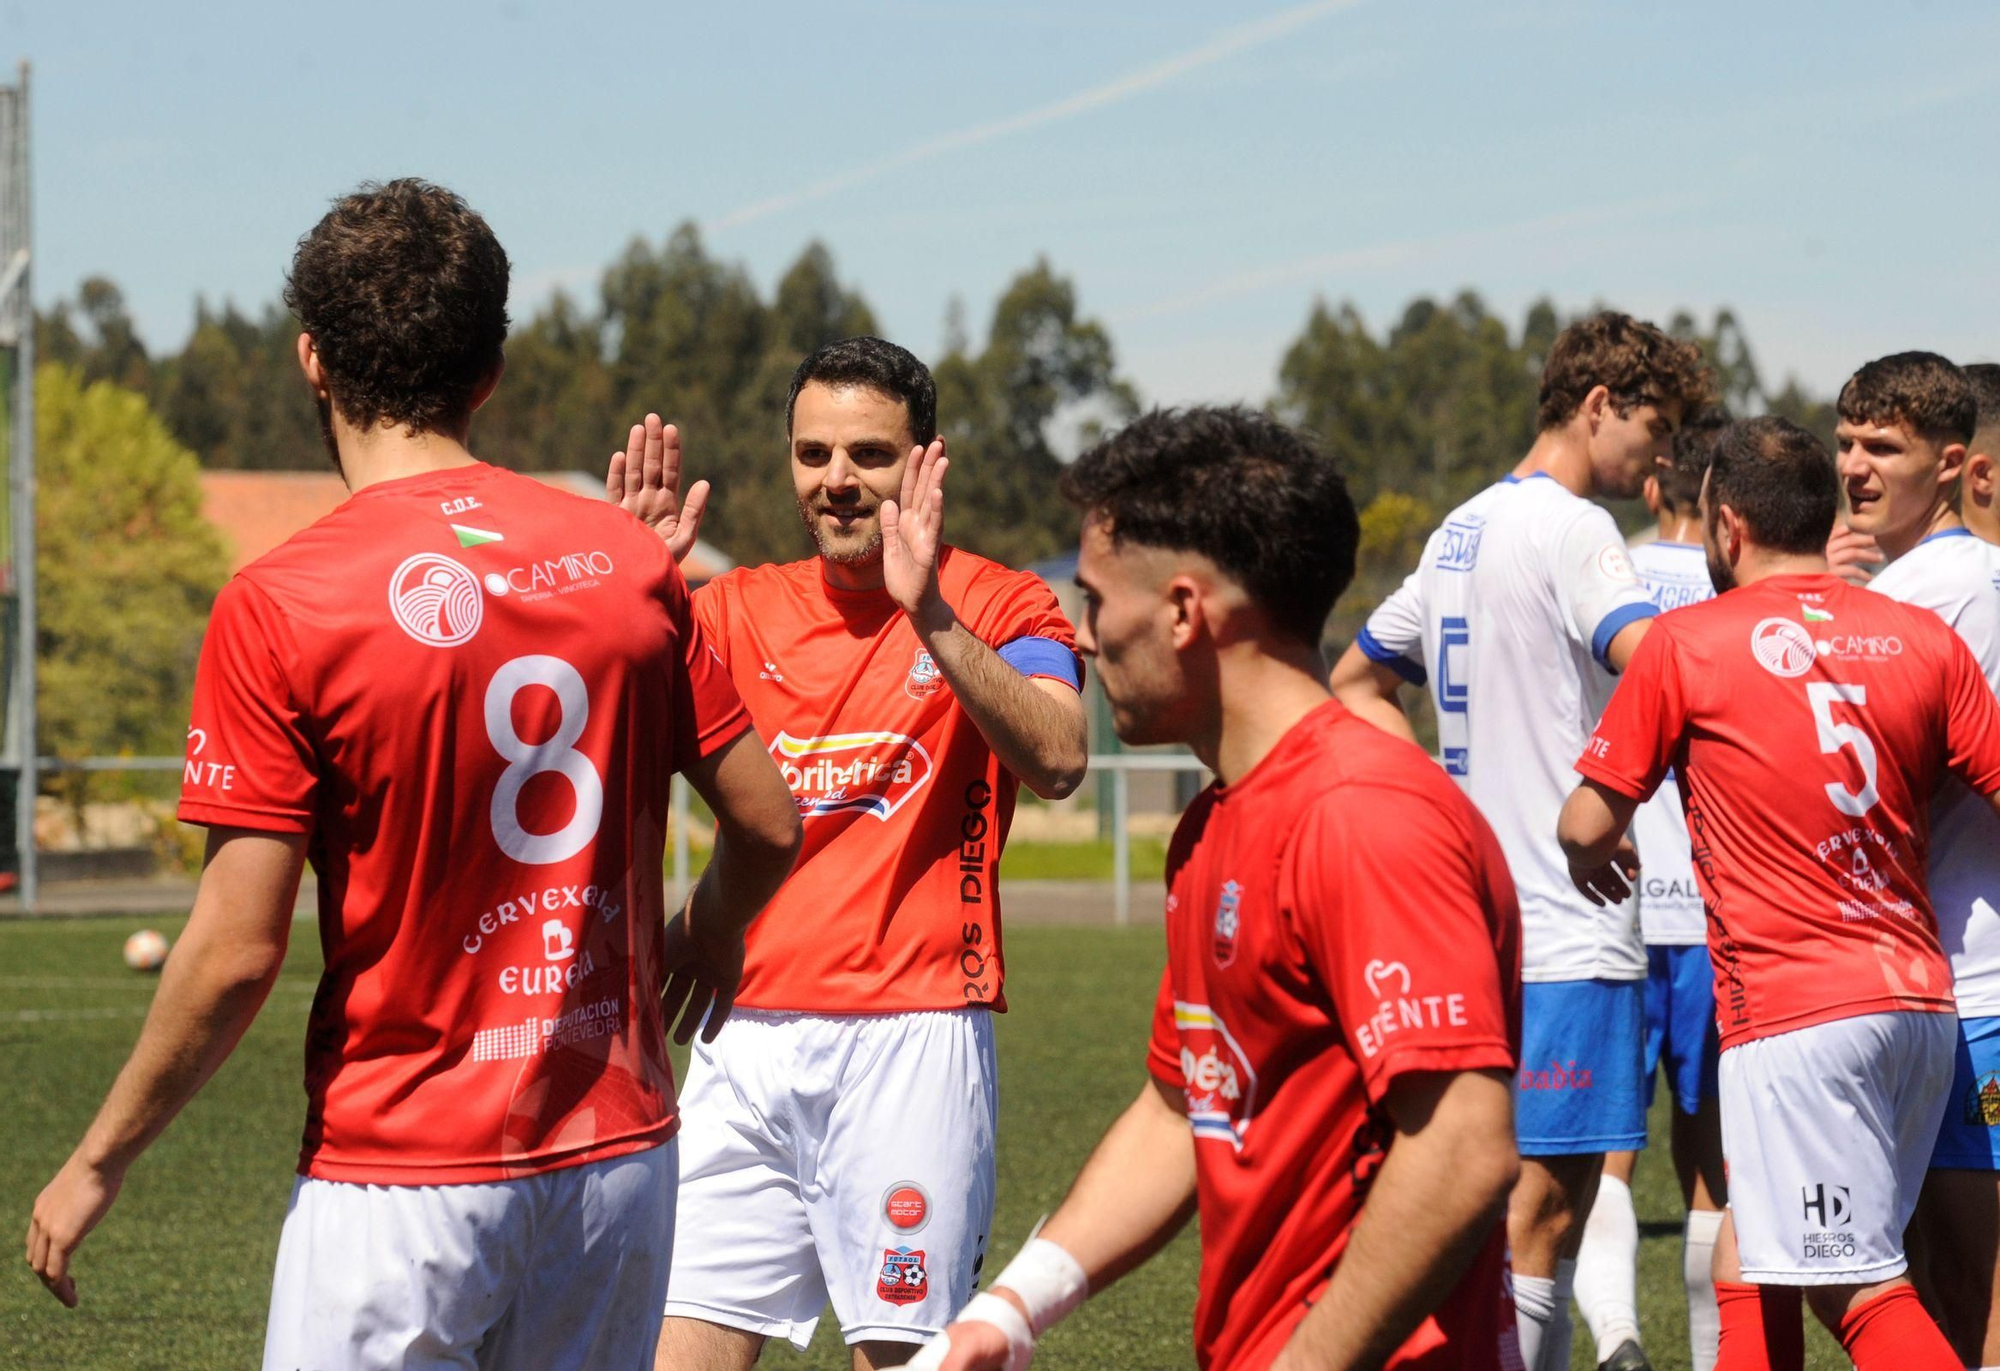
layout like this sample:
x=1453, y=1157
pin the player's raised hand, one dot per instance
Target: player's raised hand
x=1612, y=882
x=1854, y=557
x=913, y=530
x=704, y=969
x=645, y=480
x=67, y=1209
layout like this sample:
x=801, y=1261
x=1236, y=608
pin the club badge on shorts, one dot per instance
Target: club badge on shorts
x=903, y=1279
x=1982, y=1101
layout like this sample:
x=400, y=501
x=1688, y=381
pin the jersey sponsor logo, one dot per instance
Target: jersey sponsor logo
x=544, y=902
x=1228, y=918
x=1677, y=889
x=1556, y=1076
x=924, y=680
x=1399, y=1009
x=1982, y=1102
x=220, y=775
x=1458, y=548
x=1781, y=647
x=907, y=1206
x=1217, y=1079
x=769, y=673
x=1614, y=565
x=1873, y=647
x=974, y=956
x=535, y=1035
x=1677, y=594
x=849, y=773
x=903, y=1278
x=552, y=576
x=549, y=978
x=435, y=600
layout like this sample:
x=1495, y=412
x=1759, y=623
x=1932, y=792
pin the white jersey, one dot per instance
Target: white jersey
x=1518, y=596
x=1958, y=576
x=1670, y=909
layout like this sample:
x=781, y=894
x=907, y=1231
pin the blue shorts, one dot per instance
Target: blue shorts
x=1680, y=1024
x=1582, y=1051
x=1969, y=1139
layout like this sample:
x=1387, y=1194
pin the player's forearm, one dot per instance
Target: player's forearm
x=1040, y=739
x=1370, y=692
x=1589, y=828
x=1133, y=1195
x=1439, y=1194
x=748, y=865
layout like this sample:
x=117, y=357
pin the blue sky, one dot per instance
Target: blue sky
x=1201, y=171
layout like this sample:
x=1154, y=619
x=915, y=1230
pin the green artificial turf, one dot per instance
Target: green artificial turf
x=178, y=1276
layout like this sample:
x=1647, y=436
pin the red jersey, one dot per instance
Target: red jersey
x=1337, y=918
x=471, y=691
x=1809, y=723
x=894, y=904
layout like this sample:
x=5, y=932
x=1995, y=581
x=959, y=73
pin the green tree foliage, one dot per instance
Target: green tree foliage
x=128, y=571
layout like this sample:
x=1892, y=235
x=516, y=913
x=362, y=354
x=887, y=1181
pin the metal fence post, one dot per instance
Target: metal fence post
x=1121, y=846
x=679, y=802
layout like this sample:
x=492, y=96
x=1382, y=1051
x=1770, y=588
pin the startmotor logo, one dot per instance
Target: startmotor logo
x=435, y=600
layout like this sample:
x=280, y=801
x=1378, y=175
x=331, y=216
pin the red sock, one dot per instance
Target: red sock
x=1763, y=1327
x=1893, y=1332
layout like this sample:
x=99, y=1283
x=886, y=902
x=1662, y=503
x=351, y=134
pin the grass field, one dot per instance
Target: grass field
x=179, y=1275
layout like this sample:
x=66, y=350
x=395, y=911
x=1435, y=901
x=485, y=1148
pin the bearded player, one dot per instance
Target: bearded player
x=1333, y=1045
x=415, y=695
x=1979, y=486
x=1680, y=983
x=1808, y=723
x=840, y=1133
x=1906, y=423
x=1524, y=607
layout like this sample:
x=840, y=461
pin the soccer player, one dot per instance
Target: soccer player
x=1979, y=486
x=1680, y=983
x=1334, y=1038
x=1905, y=424
x=840, y=1127
x=418, y=695
x=1523, y=606
x=1808, y=723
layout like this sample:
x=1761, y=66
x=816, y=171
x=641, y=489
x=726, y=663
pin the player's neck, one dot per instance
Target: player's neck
x=1562, y=455
x=852, y=575
x=1761, y=564
x=1942, y=519
x=369, y=457
x=1260, y=695
x=1680, y=528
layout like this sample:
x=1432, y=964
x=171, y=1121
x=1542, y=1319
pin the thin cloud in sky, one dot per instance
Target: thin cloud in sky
x=1306, y=270
x=1223, y=45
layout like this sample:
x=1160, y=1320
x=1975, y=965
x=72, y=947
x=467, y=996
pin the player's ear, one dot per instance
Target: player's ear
x=1979, y=477
x=1595, y=403
x=1187, y=618
x=309, y=364
x=1951, y=462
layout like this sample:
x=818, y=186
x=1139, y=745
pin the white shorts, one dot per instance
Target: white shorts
x=842, y=1158
x=1828, y=1132
x=567, y=1268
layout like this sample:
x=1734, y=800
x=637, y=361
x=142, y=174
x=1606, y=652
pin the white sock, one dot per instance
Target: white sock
x=1555, y=1347
x=1698, y=1271
x=1607, y=1269
x=1534, y=1309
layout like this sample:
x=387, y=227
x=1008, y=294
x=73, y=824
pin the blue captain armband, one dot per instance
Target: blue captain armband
x=1372, y=648
x=1033, y=656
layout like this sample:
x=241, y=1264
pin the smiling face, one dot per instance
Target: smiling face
x=1895, y=480
x=1627, y=448
x=849, y=447
x=1132, y=625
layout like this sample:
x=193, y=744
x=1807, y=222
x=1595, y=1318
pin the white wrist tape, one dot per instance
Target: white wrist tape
x=989, y=1309
x=1050, y=1282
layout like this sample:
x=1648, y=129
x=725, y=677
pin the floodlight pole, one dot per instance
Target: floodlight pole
x=21, y=482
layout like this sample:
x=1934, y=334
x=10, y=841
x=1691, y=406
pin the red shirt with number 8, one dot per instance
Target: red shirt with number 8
x=471, y=691
x=1809, y=723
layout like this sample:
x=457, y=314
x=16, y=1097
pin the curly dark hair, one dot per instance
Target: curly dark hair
x=1255, y=497
x=873, y=364
x=403, y=288
x=1637, y=362
x=1984, y=378
x=1921, y=391
x=1694, y=445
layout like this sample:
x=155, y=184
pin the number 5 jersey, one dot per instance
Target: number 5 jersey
x=471, y=692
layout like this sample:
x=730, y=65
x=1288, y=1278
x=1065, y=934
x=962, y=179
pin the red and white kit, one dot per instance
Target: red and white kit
x=1337, y=918
x=1809, y=723
x=839, y=1138
x=426, y=683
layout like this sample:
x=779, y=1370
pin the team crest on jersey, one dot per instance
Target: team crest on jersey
x=924, y=680
x=1217, y=1078
x=1982, y=1101
x=849, y=773
x=435, y=600
x=1228, y=918
x=903, y=1278
x=1782, y=647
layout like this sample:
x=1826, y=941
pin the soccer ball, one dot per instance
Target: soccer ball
x=145, y=950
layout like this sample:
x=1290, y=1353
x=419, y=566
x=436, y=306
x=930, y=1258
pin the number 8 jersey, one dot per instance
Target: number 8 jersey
x=471, y=691
x=1809, y=723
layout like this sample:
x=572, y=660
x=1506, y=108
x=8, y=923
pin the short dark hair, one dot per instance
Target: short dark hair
x=1636, y=361
x=878, y=365
x=1694, y=446
x=1984, y=378
x=403, y=288
x=1780, y=480
x=1921, y=391
x=1255, y=497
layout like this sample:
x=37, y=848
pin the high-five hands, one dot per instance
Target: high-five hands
x=645, y=481
x=913, y=532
